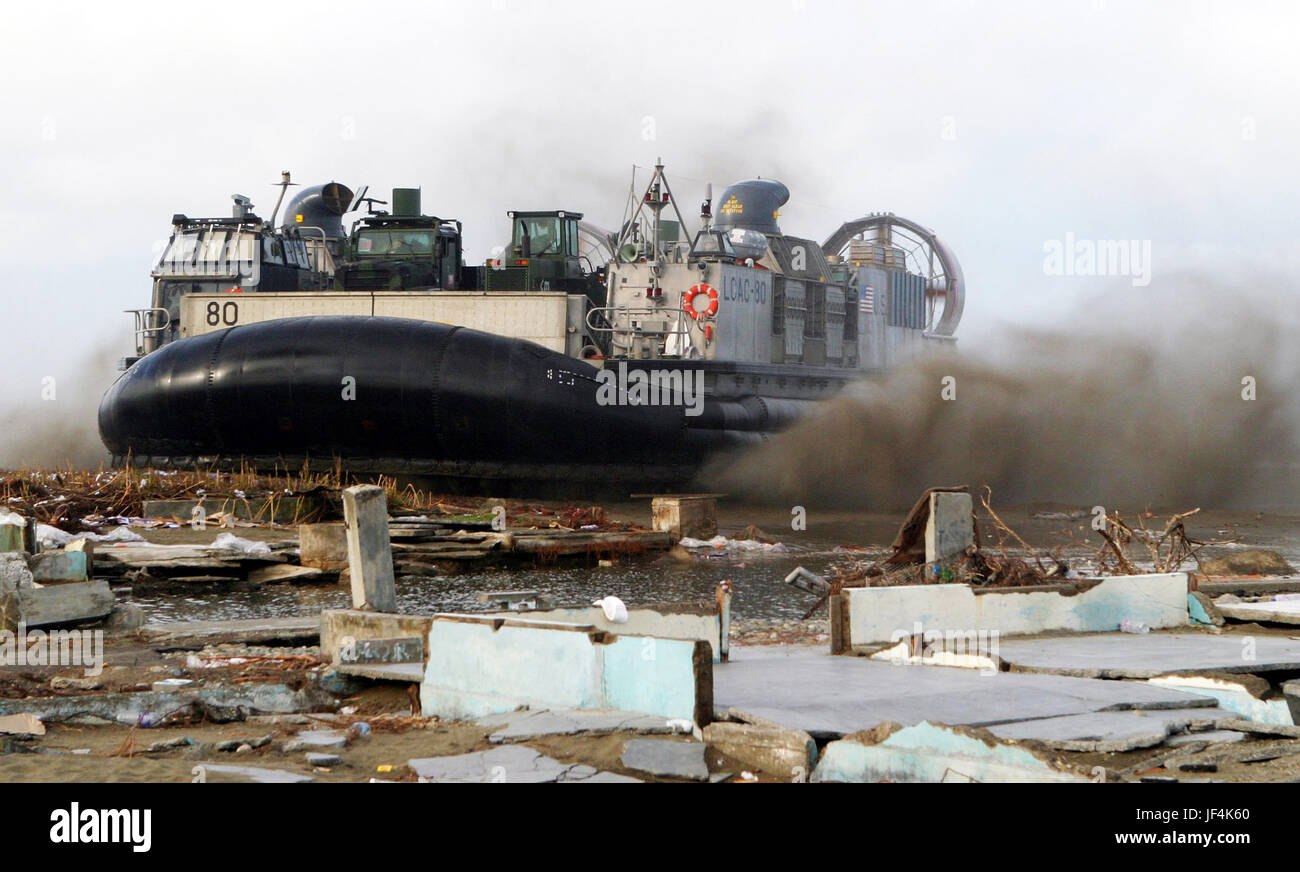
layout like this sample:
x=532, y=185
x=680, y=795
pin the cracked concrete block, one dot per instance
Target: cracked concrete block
x=936, y=753
x=1202, y=611
x=1211, y=737
x=59, y=567
x=507, y=764
x=950, y=528
x=666, y=758
x=533, y=723
x=370, y=553
x=775, y=750
x=1241, y=695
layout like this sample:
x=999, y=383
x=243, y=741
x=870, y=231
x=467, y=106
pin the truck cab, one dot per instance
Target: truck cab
x=544, y=255
x=404, y=250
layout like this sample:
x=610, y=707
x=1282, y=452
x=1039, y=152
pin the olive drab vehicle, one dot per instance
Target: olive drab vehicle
x=573, y=356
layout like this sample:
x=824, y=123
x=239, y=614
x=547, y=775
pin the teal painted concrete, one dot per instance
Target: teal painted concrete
x=476, y=668
x=931, y=753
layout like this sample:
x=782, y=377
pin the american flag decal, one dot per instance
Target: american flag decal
x=867, y=303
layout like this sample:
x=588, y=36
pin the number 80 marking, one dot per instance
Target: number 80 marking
x=223, y=313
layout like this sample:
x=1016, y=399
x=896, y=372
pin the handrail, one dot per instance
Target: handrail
x=144, y=326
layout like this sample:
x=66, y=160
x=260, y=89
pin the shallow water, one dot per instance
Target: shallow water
x=759, y=589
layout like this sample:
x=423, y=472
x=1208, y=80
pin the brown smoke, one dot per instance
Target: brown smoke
x=56, y=424
x=1142, y=404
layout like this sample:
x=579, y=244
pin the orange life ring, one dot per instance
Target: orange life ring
x=695, y=291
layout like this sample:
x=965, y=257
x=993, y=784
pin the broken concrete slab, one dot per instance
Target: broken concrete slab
x=1249, y=586
x=830, y=696
x=255, y=631
x=151, y=709
x=886, y=615
x=317, y=739
x=283, y=572
x=1291, y=693
x=58, y=604
x=791, y=753
x=257, y=774
x=506, y=764
x=324, y=760
x=666, y=758
x=1095, y=732
x=1209, y=737
x=1269, y=612
x=935, y=753
x=1238, y=697
x=520, y=726
x=1252, y=561
x=679, y=620
x=1118, y=655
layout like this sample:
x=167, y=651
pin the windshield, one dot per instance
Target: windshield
x=712, y=242
x=213, y=251
x=389, y=242
x=543, y=236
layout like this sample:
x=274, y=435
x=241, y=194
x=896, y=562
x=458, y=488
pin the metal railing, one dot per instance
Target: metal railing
x=146, y=326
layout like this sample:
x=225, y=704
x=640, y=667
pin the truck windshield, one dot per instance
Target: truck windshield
x=389, y=242
x=543, y=236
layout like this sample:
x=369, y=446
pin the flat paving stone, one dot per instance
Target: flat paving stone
x=509, y=764
x=532, y=723
x=256, y=774
x=1275, y=612
x=1214, y=737
x=1124, y=655
x=317, y=739
x=805, y=688
x=1095, y=732
x=324, y=760
x=666, y=758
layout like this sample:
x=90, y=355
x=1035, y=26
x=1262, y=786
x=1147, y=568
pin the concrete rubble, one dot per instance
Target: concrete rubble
x=944, y=681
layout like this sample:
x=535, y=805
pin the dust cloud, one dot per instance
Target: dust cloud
x=1142, y=404
x=51, y=421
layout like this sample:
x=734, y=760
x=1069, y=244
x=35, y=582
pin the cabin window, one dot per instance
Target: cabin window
x=543, y=236
x=394, y=242
x=571, y=237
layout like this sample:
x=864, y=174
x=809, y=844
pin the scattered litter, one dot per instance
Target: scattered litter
x=231, y=542
x=614, y=608
x=52, y=537
x=721, y=543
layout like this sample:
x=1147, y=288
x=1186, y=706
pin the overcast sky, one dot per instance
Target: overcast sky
x=1004, y=126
